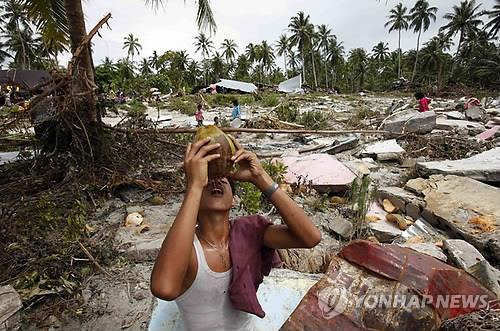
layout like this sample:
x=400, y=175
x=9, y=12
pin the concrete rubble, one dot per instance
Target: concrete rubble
x=466, y=208
x=410, y=121
x=324, y=172
x=484, y=166
x=385, y=150
x=10, y=305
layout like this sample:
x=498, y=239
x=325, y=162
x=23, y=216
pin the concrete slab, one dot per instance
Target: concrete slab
x=385, y=150
x=455, y=115
x=410, y=121
x=489, y=134
x=483, y=167
x=468, y=209
x=323, y=171
x=446, y=124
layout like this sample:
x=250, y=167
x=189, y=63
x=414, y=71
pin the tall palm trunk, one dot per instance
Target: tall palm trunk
x=303, y=65
x=23, y=48
x=399, y=53
x=83, y=70
x=416, y=56
x=326, y=73
x=314, y=70
x=455, y=60
x=285, y=55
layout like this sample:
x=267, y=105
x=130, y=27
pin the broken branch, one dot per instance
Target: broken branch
x=101, y=269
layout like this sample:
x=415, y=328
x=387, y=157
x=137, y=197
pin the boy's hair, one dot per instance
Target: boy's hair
x=200, y=106
x=419, y=95
x=235, y=102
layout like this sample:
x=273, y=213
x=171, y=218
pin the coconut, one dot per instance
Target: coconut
x=222, y=166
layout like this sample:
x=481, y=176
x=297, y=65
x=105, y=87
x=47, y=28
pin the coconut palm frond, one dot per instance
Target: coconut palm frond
x=204, y=15
x=50, y=17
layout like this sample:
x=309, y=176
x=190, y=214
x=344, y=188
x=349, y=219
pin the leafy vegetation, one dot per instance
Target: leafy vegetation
x=361, y=197
x=315, y=120
x=251, y=198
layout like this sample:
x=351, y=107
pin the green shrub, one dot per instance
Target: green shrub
x=251, y=197
x=186, y=105
x=288, y=112
x=314, y=120
x=136, y=109
x=270, y=100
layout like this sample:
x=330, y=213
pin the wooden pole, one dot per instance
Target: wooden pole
x=247, y=130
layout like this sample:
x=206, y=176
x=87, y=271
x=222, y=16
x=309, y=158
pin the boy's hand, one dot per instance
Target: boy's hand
x=196, y=162
x=250, y=169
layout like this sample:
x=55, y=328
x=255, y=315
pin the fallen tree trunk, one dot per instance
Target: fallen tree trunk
x=247, y=130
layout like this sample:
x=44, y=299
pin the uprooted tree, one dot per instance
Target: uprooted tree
x=70, y=120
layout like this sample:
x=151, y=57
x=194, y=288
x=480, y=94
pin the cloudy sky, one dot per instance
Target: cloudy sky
x=358, y=23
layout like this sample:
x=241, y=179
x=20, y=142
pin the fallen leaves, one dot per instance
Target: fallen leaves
x=484, y=223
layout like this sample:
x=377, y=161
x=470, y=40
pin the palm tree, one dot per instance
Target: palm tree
x=335, y=57
x=65, y=18
x=282, y=48
x=217, y=65
x=204, y=45
x=380, y=52
x=17, y=27
x=313, y=45
x=266, y=57
x=398, y=20
x=494, y=23
x=293, y=61
x=324, y=36
x=252, y=52
x=421, y=16
x=243, y=66
x=300, y=29
x=144, y=67
x=229, y=50
x=358, y=59
x=131, y=44
x=464, y=20
x=153, y=60
x=433, y=57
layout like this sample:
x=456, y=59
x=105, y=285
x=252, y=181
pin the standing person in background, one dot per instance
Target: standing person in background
x=423, y=102
x=199, y=115
x=236, y=110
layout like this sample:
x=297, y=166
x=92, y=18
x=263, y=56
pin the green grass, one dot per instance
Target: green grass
x=136, y=109
x=186, y=104
x=314, y=120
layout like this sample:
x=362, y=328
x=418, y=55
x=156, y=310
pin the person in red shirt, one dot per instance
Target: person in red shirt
x=423, y=102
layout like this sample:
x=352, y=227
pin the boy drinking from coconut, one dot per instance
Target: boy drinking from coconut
x=211, y=265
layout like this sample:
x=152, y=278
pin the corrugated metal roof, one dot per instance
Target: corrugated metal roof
x=292, y=85
x=237, y=85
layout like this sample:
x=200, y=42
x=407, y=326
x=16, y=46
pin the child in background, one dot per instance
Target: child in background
x=423, y=102
x=199, y=115
x=236, y=110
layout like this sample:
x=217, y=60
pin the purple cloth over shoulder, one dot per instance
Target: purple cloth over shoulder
x=251, y=261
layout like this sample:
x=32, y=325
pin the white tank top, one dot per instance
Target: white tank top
x=206, y=305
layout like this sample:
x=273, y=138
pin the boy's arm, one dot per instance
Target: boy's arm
x=171, y=265
x=299, y=231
